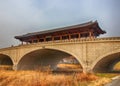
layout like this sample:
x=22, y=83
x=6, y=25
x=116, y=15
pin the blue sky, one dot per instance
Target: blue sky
x=19, y=17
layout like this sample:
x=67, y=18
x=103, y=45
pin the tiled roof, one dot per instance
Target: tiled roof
x=57, y=30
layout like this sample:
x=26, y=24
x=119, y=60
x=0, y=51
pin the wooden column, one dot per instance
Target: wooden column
x=79, y=35
x=69, y=36
x=52, y=38
x=93, y=35
x=90, y=34
x=44, y=39
x=37, y=39
x=60, y=37
x=32, y=40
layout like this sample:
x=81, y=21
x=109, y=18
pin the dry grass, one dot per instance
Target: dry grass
x=38, y=78
x=117, y=67
x=5, y=67
x=69, y=66
x=100, y=82
x=107, y=75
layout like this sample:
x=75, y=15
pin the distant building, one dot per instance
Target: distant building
x=85, y=30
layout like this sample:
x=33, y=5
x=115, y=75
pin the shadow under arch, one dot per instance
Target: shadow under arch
x=106, y=63
x=5, y=62
x=42, y=57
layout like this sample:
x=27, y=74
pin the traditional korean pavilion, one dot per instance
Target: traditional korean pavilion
x=85, y=30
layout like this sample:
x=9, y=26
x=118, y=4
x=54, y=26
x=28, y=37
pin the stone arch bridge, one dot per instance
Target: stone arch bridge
x=97, y=55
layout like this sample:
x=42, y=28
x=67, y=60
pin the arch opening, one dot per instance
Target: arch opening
x=69, y=64
x=116, y=67
x=5, y=62
x=39, y=59
x=106, y=64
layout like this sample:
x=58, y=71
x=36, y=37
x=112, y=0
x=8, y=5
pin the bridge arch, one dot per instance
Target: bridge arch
x=106, y=62
x=43, y=57
x=6, y=61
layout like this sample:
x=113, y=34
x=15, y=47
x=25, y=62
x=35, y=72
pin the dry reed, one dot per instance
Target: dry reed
x=38, y=78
